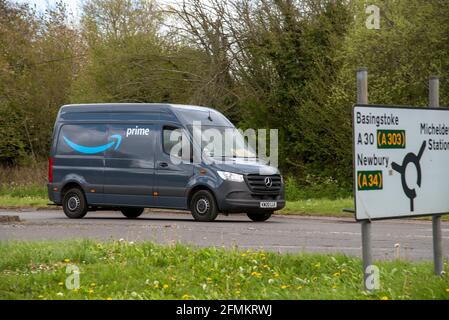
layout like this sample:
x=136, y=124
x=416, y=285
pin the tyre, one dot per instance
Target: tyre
x=260, y=216
x=203, y=206
x=132, y=213
x=74, y=204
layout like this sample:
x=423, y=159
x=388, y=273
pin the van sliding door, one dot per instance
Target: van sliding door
x=129, y=167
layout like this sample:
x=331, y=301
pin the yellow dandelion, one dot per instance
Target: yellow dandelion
x=66, y=260
x=284, y=286
x=61, y=283
x=209, y=279
x=384, y=298
x=90, y=291
x=256, y=274
x=108, y=298
x=243, y=254
x=337, y=274
x=447, y=290
x=93, y=284
x=237, y=292
x=276, y=275
x=165, y=286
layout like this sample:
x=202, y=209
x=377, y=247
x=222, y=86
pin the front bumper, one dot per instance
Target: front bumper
x=236, y=197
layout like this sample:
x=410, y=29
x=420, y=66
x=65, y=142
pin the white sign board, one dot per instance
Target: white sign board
x=401, y=161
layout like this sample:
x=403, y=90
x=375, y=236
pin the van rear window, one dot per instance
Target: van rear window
x=87, y=139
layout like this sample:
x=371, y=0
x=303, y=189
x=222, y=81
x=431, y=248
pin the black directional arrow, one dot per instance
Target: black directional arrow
x=414, y=159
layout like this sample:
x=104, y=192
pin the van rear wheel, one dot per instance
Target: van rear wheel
x=259, y=217
x=74, y=204
x=203, y=206
x=132, y=213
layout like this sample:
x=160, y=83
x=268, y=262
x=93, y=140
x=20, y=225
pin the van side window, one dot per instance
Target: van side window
x=171, y=140
x=136, y=142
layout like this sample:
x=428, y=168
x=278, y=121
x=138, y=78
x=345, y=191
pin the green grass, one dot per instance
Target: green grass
x=23, y=202
x=319, y=207
x=19, y=191
x=19, y=196
x=121, y=270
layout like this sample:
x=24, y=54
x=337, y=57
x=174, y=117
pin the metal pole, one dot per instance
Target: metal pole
x=362, y=86
x=434, y=102
x=362, y=98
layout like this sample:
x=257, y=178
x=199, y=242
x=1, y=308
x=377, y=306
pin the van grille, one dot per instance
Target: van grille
x=257, y=183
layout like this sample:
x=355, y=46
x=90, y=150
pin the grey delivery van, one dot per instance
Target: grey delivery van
x=117, y=157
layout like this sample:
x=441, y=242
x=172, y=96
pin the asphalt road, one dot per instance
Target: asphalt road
x=281, y=233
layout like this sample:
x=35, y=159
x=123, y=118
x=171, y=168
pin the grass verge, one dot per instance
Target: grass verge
x=121, y=270
x=319, y=207
x=23, y=196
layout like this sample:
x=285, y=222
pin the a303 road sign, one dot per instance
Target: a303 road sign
x=401, y=161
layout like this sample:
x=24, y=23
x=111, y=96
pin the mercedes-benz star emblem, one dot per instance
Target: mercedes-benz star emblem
x=268, y=182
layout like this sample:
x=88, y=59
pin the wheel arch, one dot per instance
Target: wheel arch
x=70, y=185
x=197, y=188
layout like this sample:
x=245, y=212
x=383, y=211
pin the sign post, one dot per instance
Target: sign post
x=434, y=102
x=362, y=98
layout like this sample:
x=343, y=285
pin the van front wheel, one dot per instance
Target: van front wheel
x=74, y=204
x=259, y=217
x=132, y=213
x=203, y=206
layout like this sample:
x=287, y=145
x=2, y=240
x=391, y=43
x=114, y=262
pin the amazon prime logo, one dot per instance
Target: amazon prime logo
x=413, y=159
x=268, y=182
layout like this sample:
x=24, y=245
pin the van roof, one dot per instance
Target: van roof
x=129, y=107
x=185, y=113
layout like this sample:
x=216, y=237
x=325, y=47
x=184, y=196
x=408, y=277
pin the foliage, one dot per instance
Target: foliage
x=283, y=64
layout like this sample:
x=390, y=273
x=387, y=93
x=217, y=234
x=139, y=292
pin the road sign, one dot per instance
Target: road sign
x=401, y=161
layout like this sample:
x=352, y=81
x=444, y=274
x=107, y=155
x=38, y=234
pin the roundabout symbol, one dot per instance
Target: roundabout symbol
x=410, y=158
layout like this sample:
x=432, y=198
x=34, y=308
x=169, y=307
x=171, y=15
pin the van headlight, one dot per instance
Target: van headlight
x=229, y=176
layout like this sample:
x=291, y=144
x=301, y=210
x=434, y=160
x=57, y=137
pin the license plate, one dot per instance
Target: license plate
x=268, y=204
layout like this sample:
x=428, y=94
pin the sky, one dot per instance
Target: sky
x=73, y=5
x=41, y=5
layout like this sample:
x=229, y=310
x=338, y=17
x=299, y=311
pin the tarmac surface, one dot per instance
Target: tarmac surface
x=405, y=239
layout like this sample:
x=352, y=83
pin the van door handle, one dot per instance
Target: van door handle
x=163, y=164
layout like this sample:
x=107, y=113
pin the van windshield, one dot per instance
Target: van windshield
x=224, y=142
